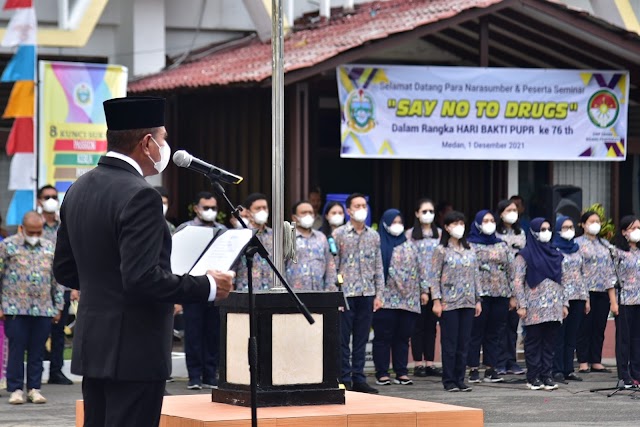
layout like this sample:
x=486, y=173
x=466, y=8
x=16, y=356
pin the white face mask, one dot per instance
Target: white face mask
x=394, y=229
x=50, y=205
x=165, y=208
x=165, y=156
x=360, y=215
x=261, y=217
x=32, y=240
x=510, y=217
x=336, y=220
x=239, y=226
x=427, y=218
x=457, y=232
x=568, y=234
x=545, y=236
x=634, y=236
x=593, y=229
x=488, y=228
x=306, y=221
x=208, y=215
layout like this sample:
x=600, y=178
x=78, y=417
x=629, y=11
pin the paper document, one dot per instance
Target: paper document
x=187, y=246
x=223, y=252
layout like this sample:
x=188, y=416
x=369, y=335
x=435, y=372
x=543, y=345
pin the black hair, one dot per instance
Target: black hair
x=252, y=198
x=416, y=234
x=326, y=227
x=46, y=187
x=125, y=141
x=294, y=209
x=517, y=197
x=164, y=193
x=202, y=195
x=353, y=196
x=450, y=218
x=585, y=216
x=619, y=240
x=500, y=227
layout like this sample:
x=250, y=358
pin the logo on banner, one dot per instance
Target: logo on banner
x=83, y=95
x=604, y=108
x=360, y=109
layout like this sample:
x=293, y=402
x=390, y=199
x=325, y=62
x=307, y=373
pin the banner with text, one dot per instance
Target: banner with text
x=72, y=123
x=415, y=112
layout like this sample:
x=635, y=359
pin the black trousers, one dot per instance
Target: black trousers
x=455, y=334
x=202, y=341
x=423, y=340
x=567, y=337
x=488, y=331
x=539, y=344
x=628, y=342
x=392, y=330
x=507, y=358
x=591, y=334
x=110, y=403
x=58, y=338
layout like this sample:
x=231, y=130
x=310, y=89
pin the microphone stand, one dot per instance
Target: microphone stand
x=255, y=246
x=618, y=287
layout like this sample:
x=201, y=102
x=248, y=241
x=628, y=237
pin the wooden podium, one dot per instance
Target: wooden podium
x=298, y=363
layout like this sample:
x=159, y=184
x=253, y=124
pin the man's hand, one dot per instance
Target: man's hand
x=57, y=317
x=437, y=308
x=587, y=307
x=377, y=304
x=75, y=295
x=224, y=282
x=522, y=313
x=565, y=312
x=424, y=299
x=1, y=315
x=177, y=309
x=478, y=309
x=513, y=304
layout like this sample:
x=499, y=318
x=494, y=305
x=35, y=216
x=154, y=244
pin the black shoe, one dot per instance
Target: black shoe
x=433, y=371
x=419, y=371
x=451, y=388
x=364, y=388
x=535, y=384
x=348, y=386
x=474, y=376
x=491, y=376
x=464, y=387
x=548, y=384
x=573, y=377
x=59, y=378
x=626, y=384
x=559, y=377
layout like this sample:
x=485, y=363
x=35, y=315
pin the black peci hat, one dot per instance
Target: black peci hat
x=134, y=112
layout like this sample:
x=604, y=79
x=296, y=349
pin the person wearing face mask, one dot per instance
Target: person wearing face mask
x=359, y=261
x=425, y=236
x=456, y=299
x=315, y=269
x=315, y=198
x=542, y=302
x=114, y=245
x=48, y=206
x=494, y=280
x=332, y=217
x=627, y=321
x=257, y=210
x=164, y=194
x=30, y=300
x=508, y=230
x=576, y=293
x=405, y=282
x=202, y=319
x=599, y=277
x=205, y=209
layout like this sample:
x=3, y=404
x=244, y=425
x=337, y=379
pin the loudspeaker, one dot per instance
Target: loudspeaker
x=564, y=200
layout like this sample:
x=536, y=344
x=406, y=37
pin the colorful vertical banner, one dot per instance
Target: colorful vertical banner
x=21, y=69
x=72, y=125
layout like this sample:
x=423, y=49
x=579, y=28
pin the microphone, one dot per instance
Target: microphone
x=185, y=160
x=332, y=246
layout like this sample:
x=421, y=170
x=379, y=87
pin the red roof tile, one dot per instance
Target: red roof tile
x=251, y=63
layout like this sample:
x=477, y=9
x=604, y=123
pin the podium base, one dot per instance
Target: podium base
x=270, y=398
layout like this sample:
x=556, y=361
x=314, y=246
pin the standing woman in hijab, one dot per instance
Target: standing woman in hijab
x=576, y=293
x=494, y=280
x=456, y=299
x=508, y=229
x=405, y=280
x=599, y=277
x=541, y=299
x=628, y=320
x=425, y=236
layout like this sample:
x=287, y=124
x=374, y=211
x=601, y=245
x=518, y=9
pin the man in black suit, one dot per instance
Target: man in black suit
x=115, y=247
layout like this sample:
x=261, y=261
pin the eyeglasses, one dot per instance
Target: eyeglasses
x=208, y=208
x=545, y=229
x=49, y=197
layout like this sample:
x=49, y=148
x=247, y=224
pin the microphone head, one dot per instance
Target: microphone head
x=182, y=159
